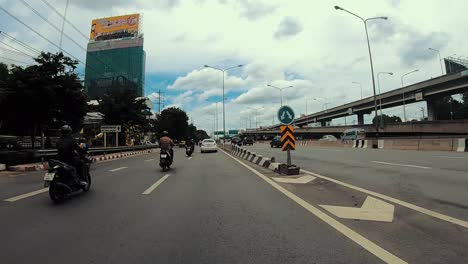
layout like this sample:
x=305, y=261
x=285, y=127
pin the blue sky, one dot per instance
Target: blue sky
x=305, y=44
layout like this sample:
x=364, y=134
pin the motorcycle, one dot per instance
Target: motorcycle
x=165, y=160
x=59, y=178
x=189, y=149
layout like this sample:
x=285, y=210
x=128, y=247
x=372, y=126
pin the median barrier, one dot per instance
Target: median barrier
x=436, y=144
x=461, y=145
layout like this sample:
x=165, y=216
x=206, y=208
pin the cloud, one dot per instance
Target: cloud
x=415, y=49
x=288, y=27
x=113, y=4
x=206, y=79
x=254, y=9
x=394, y=3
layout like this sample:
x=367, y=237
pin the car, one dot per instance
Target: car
x=328, y=138
x=182, y=144
x=208, y=145
x=353, y=134
x=276, y=142
x=248, y=141
x=236, y=141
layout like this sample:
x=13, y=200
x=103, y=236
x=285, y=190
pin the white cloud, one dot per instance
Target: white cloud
x=288, y=27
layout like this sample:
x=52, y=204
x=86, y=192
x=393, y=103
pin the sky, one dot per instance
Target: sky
x=306, y=44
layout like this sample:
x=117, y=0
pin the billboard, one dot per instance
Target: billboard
x=117, y=27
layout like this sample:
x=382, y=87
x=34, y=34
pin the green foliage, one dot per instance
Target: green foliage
x=386, y=120
x=175, y=121
x=46, y=95
x=201, y=134
x=121, y=107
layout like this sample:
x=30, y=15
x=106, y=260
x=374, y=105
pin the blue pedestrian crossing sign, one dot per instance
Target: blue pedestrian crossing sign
x=285, y=115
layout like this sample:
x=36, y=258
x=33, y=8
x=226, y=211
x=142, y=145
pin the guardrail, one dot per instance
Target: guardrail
x=29, y=156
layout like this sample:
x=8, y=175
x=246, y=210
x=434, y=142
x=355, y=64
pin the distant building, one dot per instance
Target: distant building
x=115, y=58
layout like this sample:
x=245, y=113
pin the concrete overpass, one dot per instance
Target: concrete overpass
x=440, y=128
x=429, y=91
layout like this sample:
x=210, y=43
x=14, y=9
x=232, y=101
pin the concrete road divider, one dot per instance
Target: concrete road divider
x=462, y=145
x=45, y=165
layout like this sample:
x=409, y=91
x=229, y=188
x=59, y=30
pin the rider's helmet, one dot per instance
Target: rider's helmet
x=66, y=130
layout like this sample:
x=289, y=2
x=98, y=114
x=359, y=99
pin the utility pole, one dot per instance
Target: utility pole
x=63, y=24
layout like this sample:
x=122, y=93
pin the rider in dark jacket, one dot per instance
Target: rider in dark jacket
x=68, y=149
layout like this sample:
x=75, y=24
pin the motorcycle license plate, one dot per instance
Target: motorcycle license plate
x=163, y=156
x=49, y=176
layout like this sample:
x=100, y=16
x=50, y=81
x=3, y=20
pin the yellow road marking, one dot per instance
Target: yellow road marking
x=370, y=246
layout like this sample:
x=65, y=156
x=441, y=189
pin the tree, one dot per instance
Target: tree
x=121, y=107
x=386, y=120
x=201, y=135
x=48, y=94
x=175, y=121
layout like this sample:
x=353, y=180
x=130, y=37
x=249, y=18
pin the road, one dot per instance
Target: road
x=212, y=208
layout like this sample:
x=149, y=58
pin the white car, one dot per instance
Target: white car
x=208, y=145
x=328, y=138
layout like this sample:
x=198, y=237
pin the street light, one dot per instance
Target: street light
x=403, y=91
x=224, y=112
x=440, y=59
x=380, y=95
x=213, y=134
x=307, y=100
x=256, y=114
x=216, y=111
x=360, y=85
x=281, y=91
x=370, y=54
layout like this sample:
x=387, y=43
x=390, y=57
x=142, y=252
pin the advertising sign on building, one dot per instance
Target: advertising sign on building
x=117, y=27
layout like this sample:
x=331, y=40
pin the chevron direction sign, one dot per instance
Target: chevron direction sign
x=288, y=141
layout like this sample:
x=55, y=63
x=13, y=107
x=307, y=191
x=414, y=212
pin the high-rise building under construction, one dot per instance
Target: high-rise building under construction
x=115, y=58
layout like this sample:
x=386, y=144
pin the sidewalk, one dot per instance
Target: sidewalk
x=99, y=158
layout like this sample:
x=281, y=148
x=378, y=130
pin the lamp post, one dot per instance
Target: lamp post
x=370, y=56
x=360, y=86
x=440, y=60
x=281, y=91
x=216, y=115
x=224, y=112
x=380, y=94
x=256, y=115
x=307, y=100
x=403, y=92
x=212, y=120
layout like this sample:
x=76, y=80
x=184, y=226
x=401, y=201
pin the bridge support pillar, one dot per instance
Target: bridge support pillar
x=360, y=118
x=431, y=110
x=323, y=123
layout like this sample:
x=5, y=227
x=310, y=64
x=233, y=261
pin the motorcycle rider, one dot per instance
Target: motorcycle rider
x=67, y=148
x=166, y=143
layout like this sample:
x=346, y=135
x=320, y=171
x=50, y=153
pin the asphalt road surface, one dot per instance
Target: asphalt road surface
x=214, y=208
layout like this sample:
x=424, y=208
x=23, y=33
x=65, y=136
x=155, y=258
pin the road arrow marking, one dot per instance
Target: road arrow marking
x=300, y=180
x=372, y=209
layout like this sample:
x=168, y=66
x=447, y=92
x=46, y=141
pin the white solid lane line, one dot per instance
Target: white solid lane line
x=117, y=169
x=370, y=246
x=189, y=158
x=449, y=157
x=149, y=160
x=401, y=165
x=156, y=184
x=416, y=208
x=26, y=195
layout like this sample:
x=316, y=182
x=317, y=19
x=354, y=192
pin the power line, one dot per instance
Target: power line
x=22, y=62
x=60, y=31
x=65, y=19
x=24, y=45
x=16, y=52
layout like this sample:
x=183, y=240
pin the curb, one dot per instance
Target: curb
x=45, y=165
x=265, y=162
